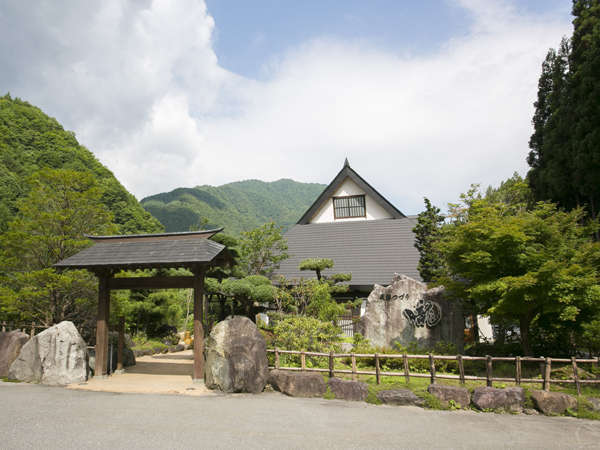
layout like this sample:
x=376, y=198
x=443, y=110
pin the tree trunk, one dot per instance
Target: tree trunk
x=524, y=322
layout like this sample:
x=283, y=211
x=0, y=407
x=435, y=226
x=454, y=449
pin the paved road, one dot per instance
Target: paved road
x=47, y=418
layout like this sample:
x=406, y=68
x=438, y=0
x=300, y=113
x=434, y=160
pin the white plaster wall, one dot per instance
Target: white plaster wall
x=349, y=187
x=486, y=333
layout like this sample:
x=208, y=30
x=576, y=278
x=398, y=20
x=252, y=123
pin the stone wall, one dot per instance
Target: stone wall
x=406, y=311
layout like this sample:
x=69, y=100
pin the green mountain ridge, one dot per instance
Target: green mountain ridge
x=31, y=140
x=238, y=206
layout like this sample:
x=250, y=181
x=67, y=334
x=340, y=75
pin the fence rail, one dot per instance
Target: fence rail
x=546, y=379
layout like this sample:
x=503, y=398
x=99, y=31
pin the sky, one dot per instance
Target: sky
x=423, y=98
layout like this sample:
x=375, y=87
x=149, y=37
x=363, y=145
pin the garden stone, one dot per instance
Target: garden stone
x=11, y=343
x=399, y=397
x=57, y=356
x=553, y=402
x=530, y=412
x=445, y=393
x=348, y=390
x=594, y=404
x=509, y=399
x=298, y=384
x=236, y=357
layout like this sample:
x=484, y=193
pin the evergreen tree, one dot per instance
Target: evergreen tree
x=427, y=233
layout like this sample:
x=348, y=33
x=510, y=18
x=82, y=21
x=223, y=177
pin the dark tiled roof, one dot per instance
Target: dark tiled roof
x=132, y=254
x=372, y=250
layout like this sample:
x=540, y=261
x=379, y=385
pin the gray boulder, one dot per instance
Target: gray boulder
x=348, y=390
x=509, y=399
x=594, y=404
x=553, y=402
x=57, y=356
x=406, y=311
x=298, y=384
x=399, y=397
x=236, y=357
x=445, y=393
x=10, y=346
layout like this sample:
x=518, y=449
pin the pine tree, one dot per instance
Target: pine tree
x=427, y=233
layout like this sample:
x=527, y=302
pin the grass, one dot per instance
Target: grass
x=9, y=380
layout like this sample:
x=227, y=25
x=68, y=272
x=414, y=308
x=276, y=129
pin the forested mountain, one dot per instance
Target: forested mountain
x=239, y=206
x=30, y=141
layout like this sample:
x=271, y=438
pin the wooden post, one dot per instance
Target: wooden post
x=4, y=326
x=102, y=327
x=198, y=328
x=32, y=332
x=547, y=369
x=377, y=370
x=277, y=358
x=354, y=376
x=121, y=344
x=331, y=374
x=576, y=375
x=406, y=368
x=302, y=361
x=518, y=370
x=432, y=368
x=488, y=372
x=461, y=369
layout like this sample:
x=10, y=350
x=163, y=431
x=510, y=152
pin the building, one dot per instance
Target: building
x=360, y=230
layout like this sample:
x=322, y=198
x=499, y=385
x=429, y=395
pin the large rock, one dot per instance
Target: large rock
x=236, y=357
x=406, y=311
x=445, y=393
x=399, y=397
x=509, y=399
x=56, y=356
x=348, y=390
x=10, y=346
x=553, y=402
x=298, y=384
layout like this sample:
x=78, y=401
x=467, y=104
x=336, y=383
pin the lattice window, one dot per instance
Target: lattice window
x=350, y=206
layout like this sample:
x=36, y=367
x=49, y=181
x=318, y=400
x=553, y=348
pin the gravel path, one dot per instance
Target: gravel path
x=33, y=416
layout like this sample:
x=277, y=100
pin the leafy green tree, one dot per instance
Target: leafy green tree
x=427, y=233
x=247, y=291
x=524, y=266
x=316, y=264
x=262, y=249
x=333, y=280
x=306, y=334
x=52, y=220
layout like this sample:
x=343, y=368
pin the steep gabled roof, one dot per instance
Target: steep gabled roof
x=348, y=172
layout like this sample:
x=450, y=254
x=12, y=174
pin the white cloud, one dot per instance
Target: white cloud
x=141, y=86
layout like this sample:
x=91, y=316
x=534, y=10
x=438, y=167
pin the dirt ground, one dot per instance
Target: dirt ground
x=169, y=373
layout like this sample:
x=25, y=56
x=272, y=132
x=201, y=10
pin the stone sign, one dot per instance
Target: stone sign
x=406, y=311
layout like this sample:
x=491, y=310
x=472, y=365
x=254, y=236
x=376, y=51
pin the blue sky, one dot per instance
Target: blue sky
x=249, y=34
x=423, y=97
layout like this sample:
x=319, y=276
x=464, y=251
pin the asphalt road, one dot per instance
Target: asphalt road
x=47, y=418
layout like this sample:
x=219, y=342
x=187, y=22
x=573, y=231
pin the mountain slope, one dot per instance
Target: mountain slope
x=30, y=140
x=239, y=206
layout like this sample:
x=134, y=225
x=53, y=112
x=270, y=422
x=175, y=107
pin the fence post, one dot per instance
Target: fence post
x=547, y=369
x=302, y=361
x=575, y=375
x=331, y=375
x=461, y=369
x=276, y=358
x=518, y=370
x=488, y=375
x=32, y=332
x=406, y=368
x=432, y=368
x=377, y=376
x=354, y=376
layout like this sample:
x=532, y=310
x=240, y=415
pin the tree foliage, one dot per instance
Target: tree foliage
x=262, y=249
x=427, y=234
x=565, y=145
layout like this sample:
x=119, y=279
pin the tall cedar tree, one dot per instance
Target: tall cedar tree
x=427, y=233
x=565, y=145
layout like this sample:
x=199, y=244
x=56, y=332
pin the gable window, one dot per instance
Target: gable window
x=350, y=206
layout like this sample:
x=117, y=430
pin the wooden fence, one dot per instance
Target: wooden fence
x=25, y=328
x=546, y=379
